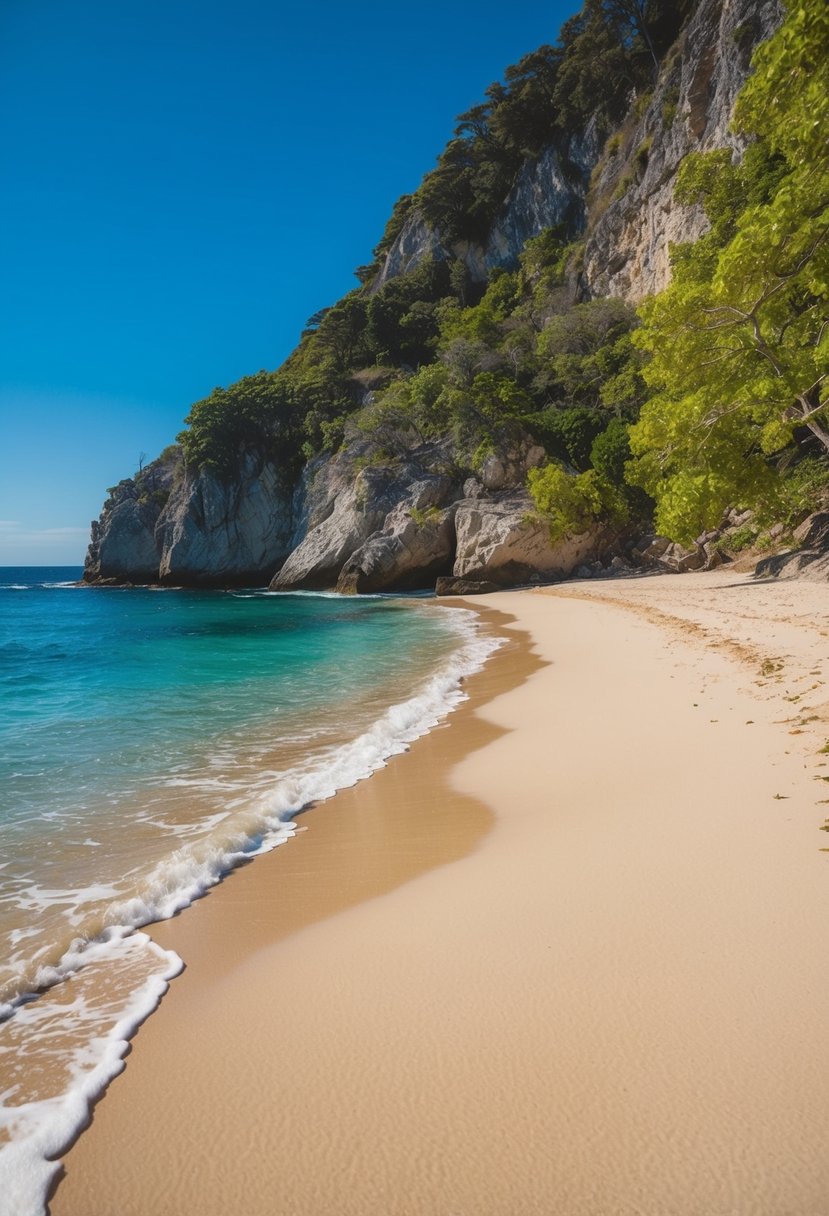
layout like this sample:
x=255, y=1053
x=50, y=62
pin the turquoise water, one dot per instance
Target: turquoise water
x=149, y=740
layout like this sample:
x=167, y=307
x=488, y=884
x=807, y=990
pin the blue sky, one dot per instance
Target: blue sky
x=184, y=184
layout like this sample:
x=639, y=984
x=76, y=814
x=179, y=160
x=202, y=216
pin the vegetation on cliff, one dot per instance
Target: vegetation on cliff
x=738, y=344
x=712, y=396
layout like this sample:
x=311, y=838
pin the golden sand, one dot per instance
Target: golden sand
x=565, y=957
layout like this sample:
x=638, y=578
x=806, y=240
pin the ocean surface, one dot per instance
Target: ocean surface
x=149, y=741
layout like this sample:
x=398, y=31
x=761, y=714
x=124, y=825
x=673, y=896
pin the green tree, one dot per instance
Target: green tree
x=256, y=413
x=571, y=504
x=739, y=341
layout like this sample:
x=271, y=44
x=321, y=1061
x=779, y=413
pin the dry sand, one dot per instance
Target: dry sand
x=566, y=957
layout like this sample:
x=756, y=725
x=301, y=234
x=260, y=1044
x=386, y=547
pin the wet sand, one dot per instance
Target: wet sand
x=564, y=957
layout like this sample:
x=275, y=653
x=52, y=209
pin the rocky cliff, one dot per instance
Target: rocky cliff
x=621, y=198
x=632, y=218
x=550, y=192
x=177, y=528
x=402, y=525
x=359, y=520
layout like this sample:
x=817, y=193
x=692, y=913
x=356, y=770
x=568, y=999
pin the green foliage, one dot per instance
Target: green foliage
x=740, y=539
x=425, y=516
x=670, y=102
x=804, y=489
x=586, y=347
x=481, y=322
x=610, y=451
x=609, y=456
x=401, y=320
x=739, y=342
x=567, y=434
x=256, y=412
x=571, y=504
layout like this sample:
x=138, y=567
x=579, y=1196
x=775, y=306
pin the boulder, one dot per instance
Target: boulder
x=507, y=470
x=813, y=533
x=811, y=561
x=503, y=541
x=413, y=548
x=346, y=501
x=676, y=559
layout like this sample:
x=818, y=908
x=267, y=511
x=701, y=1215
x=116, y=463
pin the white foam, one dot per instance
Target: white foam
x=191, y=871
x=42, y=1130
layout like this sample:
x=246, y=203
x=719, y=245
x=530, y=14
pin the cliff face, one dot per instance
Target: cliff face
x=627, y=210
x=403, y=523
x=362, y=522
x=632, y=218
x=165, y=526
x=215, y=532
x=549, y=192
x=123, y=547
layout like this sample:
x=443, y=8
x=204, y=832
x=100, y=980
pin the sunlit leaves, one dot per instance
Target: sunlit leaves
x=737, y=342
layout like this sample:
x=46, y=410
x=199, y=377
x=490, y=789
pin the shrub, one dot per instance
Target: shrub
x=571, y=504
x=567, y=435
x=670, y=103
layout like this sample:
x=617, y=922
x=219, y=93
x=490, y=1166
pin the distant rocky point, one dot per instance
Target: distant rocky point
x=360, y=519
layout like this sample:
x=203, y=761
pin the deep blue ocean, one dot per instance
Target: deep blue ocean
x=151, y=739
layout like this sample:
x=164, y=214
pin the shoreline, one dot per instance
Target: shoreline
x=575, y=974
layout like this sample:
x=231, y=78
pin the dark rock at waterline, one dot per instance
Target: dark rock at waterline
x=464, y=586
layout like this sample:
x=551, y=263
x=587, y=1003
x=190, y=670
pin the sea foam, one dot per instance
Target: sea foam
x=37, y=1131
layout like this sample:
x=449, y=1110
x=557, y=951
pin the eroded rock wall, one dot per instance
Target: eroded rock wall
x=218, y=532
x=632, y=219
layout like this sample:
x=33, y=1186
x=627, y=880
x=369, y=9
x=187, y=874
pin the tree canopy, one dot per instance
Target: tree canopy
x=739, y=341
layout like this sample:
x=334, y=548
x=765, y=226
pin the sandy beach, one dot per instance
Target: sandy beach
x=565, y=957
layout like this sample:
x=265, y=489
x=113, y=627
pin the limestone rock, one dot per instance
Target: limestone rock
x=508, y=469
x=502, y=541
x=629, y=236
x=545, y=194
x=217, y=532
x=413, y=548
x=124, y=547
x=346, y=501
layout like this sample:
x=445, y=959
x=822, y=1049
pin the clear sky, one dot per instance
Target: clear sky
x=184, y=183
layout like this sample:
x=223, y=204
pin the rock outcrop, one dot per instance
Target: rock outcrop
x=629, y=210
x=548, y=192
x=809, y=560
x=414, y=547
x=367, y=527
x=195, y=530
x=632, y=216
x=349, y=498
x=223, y=532
x=124, y=547
x=501, y=540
